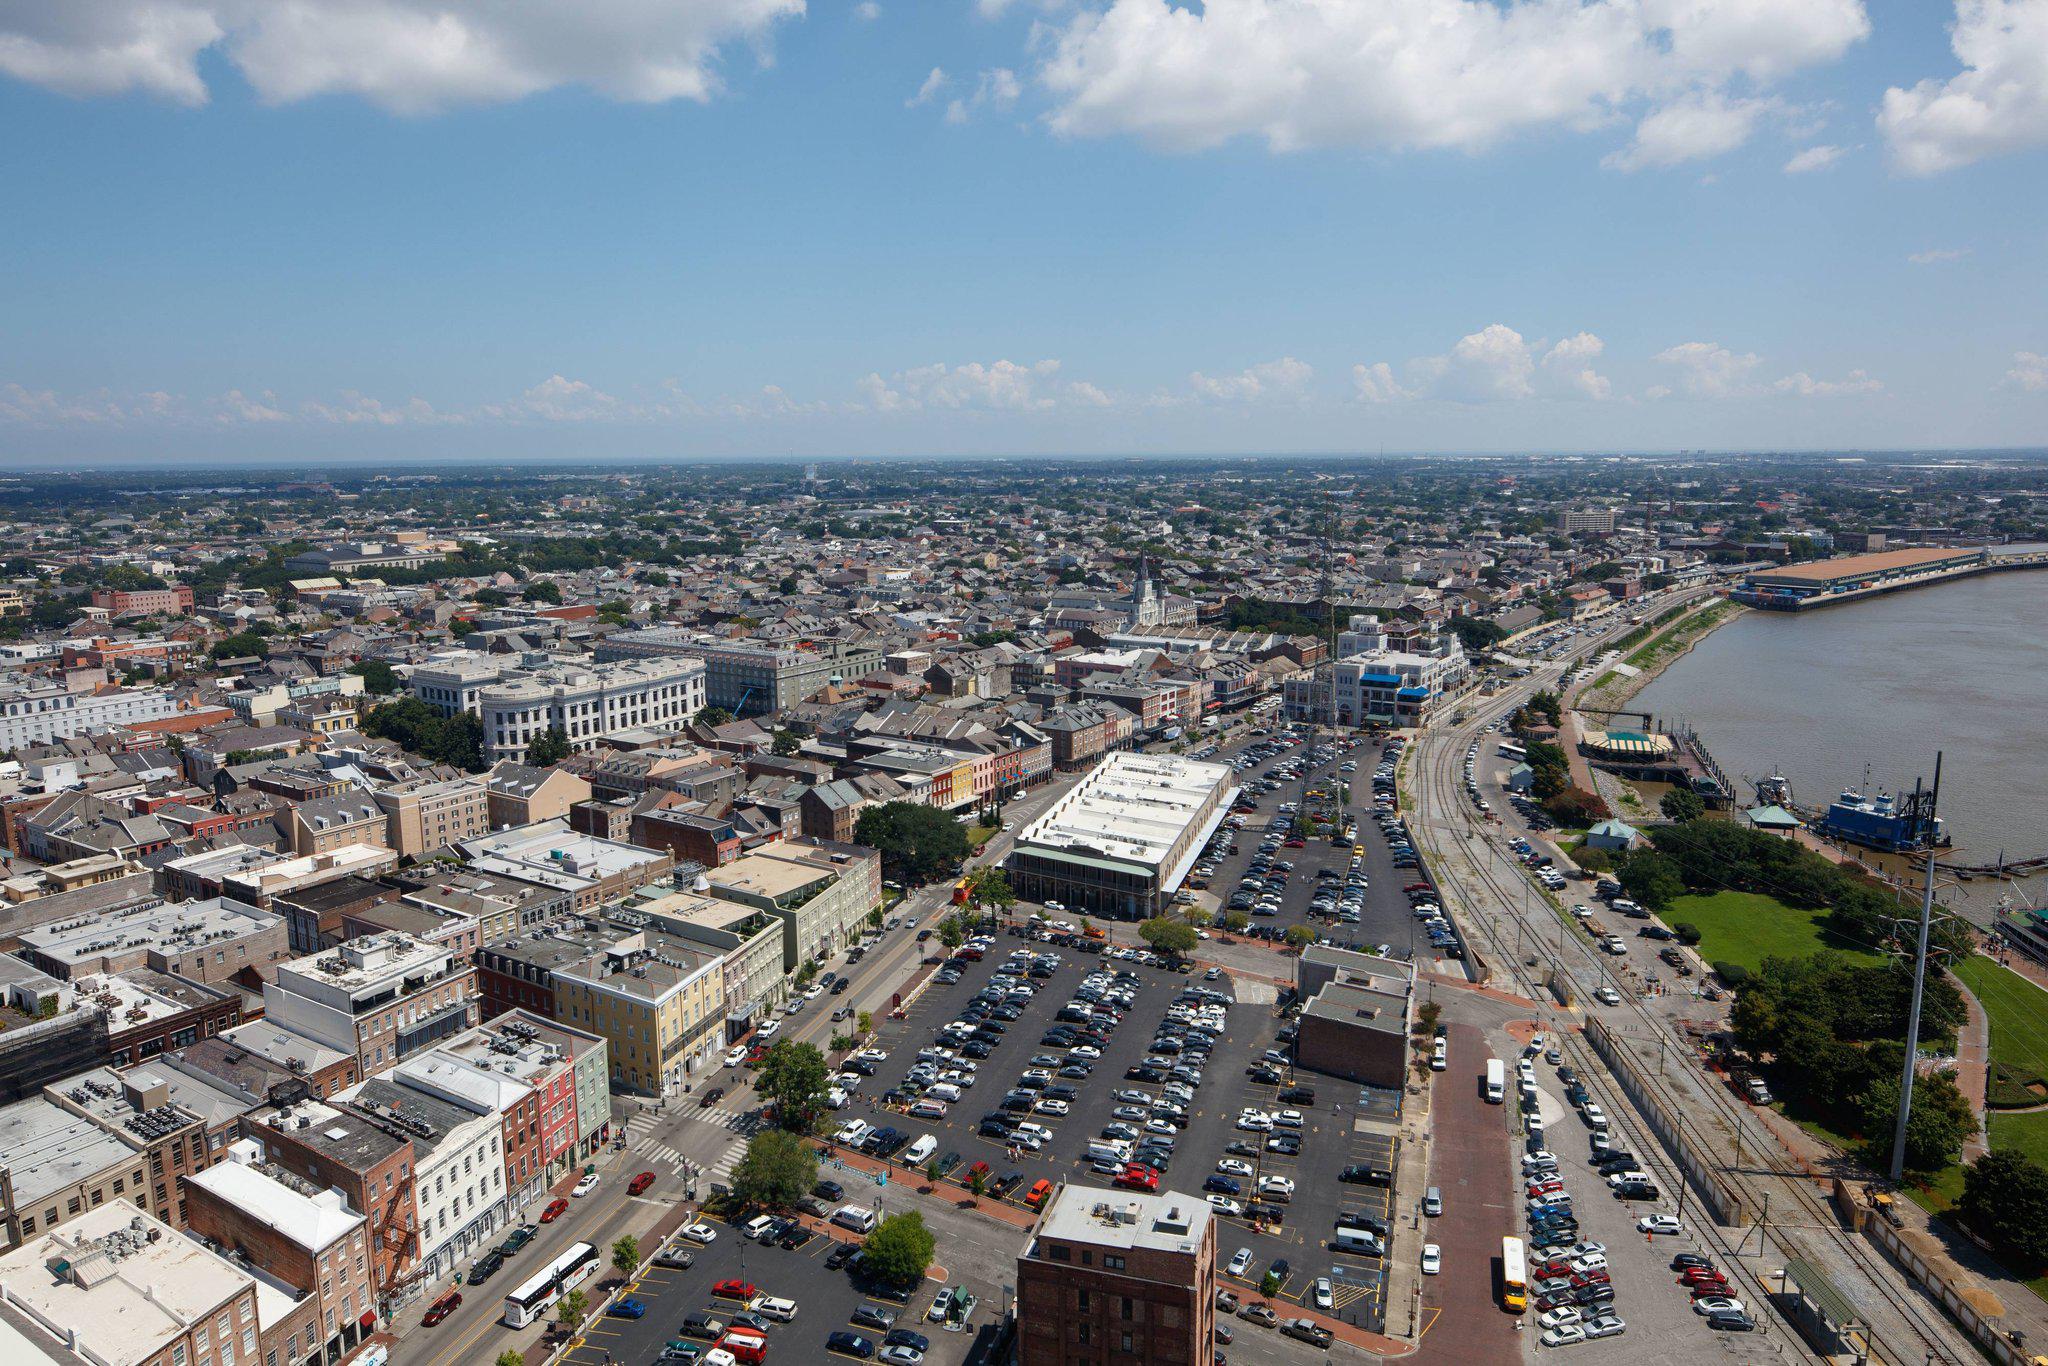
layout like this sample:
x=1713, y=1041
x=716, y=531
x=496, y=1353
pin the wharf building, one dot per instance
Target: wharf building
x=1121, y=841
x=1796, y=587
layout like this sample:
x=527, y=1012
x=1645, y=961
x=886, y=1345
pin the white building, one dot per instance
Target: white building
x=585, y=701
x=36, y=714
x=1378, y=684
x=1122, y=839
x=453, y=680
x=459, y=1176
x=381, y=997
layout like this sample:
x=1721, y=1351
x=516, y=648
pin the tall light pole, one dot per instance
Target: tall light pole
x=1919, y=978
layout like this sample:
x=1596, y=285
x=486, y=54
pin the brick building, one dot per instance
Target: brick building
x=1113, y=1277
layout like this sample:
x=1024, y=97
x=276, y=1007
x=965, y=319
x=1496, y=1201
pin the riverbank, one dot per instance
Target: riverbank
x=1618, y=683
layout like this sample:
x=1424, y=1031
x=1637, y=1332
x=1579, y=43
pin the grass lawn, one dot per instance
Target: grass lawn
x=1748, y=927
x=978, y=835
x=2019, y=1020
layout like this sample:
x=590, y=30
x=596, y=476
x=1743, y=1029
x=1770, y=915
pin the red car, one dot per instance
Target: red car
x=640, y=1183
x=1136, y=1179
x=555, y=1210
x=1702, y=1290
x=734, y=1290
x=1697, y=1274
x=442, y=1308
x=1549, y=1187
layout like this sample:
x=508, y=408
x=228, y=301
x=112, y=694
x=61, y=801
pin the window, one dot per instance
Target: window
x=1126, y=1312
x=1112, y=1262
x=1126, y=1342
x=28, y=1226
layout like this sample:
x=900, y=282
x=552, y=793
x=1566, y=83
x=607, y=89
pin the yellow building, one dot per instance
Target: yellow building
x=658, y=1003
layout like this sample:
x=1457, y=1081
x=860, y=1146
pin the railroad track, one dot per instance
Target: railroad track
x=1915, y=1331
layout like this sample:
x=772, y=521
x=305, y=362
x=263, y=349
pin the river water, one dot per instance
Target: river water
x=1817, y=696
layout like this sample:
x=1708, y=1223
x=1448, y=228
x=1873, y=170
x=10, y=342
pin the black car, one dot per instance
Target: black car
x=903, y=1337
x=841, y=985
x=1367, y=1176
x=1687, y=1261
x=1727, y=1321
x=794, y=1237
x=829, y=1190
x=486, y=1267
x=874, y=1316
x=850, y=1345
x=840, y=1256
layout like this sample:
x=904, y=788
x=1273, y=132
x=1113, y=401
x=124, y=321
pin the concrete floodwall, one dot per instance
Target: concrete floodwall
x=1700, y=1171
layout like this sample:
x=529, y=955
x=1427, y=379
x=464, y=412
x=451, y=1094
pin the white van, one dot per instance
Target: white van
x=916, y=1153
x=1351, y=1238
x=859, y=1218
x=1109, y=1150
x=944, y=1090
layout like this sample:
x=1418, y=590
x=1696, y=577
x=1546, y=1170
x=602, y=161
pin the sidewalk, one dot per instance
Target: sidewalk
x=1973, y=1069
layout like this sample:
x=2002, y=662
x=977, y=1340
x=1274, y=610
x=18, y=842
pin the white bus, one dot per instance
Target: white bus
x=1510, y=750
x=1514, y=1276
x=1496, y=1081
x=558, y=1278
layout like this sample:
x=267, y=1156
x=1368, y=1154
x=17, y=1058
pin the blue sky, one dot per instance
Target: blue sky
x=316, y=229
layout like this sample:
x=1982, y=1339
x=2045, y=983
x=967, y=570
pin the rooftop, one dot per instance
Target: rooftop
x=1857, y=566
x=48, y=1148
x=312, y=1222
x=1132, y=806
x=170, y=928
x=1167, y=1222
x=117, y=1283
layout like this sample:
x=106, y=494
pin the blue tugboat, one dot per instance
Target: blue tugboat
x=1896, y=825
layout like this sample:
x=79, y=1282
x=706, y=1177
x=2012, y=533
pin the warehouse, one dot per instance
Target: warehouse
x=1121, y=842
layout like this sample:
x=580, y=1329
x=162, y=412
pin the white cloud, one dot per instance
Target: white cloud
x=2029, y=372
x=409, y=56
x=1803, y=385
x=1938, y=256
x=27, y=407
x=1001, y=385
x=1998, y=103
x=867, y=11
x=1709, y=370
x=1495, y=364
x=1816, y=158
x=1704, y=123
x=234, y=406
x=997, y=88
x=933, y=84
x=1283, y=379
x=1417, y=74
x=355, y=409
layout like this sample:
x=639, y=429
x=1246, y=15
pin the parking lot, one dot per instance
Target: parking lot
x=827, y=1299
x=1290, y=1171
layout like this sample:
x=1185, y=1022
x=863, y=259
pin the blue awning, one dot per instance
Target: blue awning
x=1412, y=694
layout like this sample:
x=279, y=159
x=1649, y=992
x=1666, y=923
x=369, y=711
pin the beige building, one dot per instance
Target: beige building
x=382, y=997
x=56, y=1166
x=752, y=942
x=423, y=815
x=823, y=891
x=325, y=824
x=657, y=1002
x=520, y=795
x=120, y=1288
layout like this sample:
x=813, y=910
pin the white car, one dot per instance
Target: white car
x=1254, y=1122
x=1325, y=1297
x=1432, y=1259
x=1558, y=1318
x=1589, y=1261
x=1660, y=1223
x=1276, y=1185
x=1223, y=1204
x=1717, y=1304
x=1234, y=1166
x=1240, y=1263
x=1288, y=1119
x=1564, y=1335
x=736, y=1055
x=1608, y=996
x=1052, y=1107
x=585, y=1186
x=700, y=1233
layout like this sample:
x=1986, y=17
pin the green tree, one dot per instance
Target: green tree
x=950, y=932
x=548, y=748
x=378, y=678
x=1577, y=808
x=865, y=1021
x=712, y=716
x=1936, y=1129
x=626, y=1254
x=238, y=646
x=1174, y=938
x=511, y=1357
x=990, y=886
x=542, y=590
x=917, y=842
x=1679, y=805
x=1651, y=878
x=572, y=1309
x=414, y=725
x=793, y=1076
x=899, y=1249
x=2005, y=1202
x=1299, y=936
x=1237, y=922
x=777, y=1170
x=785, y=742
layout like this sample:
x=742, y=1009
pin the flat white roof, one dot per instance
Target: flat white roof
x=310, y=1222
x=1132, y=807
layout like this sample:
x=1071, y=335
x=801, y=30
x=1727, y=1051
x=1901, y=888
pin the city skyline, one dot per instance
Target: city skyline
x=753, y=228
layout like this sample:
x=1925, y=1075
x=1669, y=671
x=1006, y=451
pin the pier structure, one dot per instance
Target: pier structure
x=1822, y=583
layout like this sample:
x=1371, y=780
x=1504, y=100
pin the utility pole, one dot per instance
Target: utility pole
x=1913, y=1015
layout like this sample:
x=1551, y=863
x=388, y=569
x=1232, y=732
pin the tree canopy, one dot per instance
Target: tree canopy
x=793, y=1077
x=777, y=1170
x=457, y=739
x=1170, y=936
x=899, y=1249
x=917, y=842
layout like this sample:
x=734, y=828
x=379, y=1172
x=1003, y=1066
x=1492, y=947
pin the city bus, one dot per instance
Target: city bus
x=1514, y=1276
x=1510, y=750
x=1496, y=1081
x=556, y=1279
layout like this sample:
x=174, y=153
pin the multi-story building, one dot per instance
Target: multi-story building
x=39, y=713
x=549, y=854
x=519, y=973
x=822, y=892
x=346, y=818
x=203, y=941
x=381, y=998
x=259, y=880
x=1120, y=841
x=520, y=795
x=305, y=1241
x=752, y=943
x=459, y=1173
x=1576, y=521
x=1109, y=1278
x=503, y=907
x=178, y=1120
x=116, y=1286
x=657, y=1001
x=368, y=1157
x=452, y=681
x=174, y=601
x=426, y=814
x=585, y=702
x=57, y=1164
x=749, y=677
x=263, y=703
x=363, y=558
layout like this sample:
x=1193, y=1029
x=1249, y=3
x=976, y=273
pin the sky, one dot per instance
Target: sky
x=323, y=230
